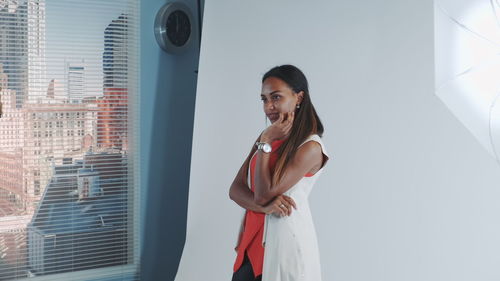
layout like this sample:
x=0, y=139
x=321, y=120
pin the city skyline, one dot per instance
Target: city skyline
x=51, y=123
x=65, y=32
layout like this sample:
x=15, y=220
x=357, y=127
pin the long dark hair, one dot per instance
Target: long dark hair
x=306, y=120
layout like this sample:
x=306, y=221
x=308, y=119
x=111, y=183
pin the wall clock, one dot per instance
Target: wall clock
x=174, y=28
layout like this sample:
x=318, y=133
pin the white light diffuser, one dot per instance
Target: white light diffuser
x=467, y=65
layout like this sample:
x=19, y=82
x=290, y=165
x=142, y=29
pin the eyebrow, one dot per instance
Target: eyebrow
x=277, y=91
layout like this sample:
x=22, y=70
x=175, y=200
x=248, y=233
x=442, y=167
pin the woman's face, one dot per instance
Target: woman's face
x=278, y=97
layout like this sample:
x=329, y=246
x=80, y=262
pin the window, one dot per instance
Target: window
x=66, y=173
x=36, y=185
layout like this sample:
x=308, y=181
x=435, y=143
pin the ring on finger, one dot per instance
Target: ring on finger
x=282, y=205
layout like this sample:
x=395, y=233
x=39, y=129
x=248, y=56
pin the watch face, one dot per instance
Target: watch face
x=266, y=148
x=178, y=28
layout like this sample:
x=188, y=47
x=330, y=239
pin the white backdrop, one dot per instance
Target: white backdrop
x=410, y=194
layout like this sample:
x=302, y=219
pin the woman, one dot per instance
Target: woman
x=278, y=240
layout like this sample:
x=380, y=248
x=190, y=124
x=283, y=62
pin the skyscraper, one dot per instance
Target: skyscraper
x=114, y=57
x=75, y=79
x=37, y=69
x=22, y=47
x=112, y=118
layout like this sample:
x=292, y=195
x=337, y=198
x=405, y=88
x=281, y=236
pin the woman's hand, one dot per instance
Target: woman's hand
x=280, y=206
x=279, y=129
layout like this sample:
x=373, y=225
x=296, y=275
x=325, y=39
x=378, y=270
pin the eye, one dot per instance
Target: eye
x=263, y=99
x=276, y=97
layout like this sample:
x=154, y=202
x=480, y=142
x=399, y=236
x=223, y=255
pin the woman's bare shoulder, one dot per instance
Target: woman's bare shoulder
x=310, y=149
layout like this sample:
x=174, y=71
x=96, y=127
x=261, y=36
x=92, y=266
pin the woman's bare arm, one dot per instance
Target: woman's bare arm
x=240, y=191
x=243, y=196
x=308, y=156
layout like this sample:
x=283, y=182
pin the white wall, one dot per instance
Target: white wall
x=409, y=193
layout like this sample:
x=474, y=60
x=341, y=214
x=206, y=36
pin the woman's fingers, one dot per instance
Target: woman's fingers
x=282, y=127
x=282, y=211
x=280, y=119
x=286, y=203
x=289, y=123
x=290, y=201
x=285, y=125
x=286, y=207
x=289, y=117
x=283, y=207
x=279, y=208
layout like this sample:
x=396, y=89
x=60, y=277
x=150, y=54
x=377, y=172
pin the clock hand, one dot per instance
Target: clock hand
x=177, y=23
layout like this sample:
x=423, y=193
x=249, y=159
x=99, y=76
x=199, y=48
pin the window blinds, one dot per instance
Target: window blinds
x=68, y=139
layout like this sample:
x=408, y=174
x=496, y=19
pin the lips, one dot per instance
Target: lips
x=273, y=116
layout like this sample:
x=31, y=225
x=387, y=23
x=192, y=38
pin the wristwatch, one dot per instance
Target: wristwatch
x=264, y=146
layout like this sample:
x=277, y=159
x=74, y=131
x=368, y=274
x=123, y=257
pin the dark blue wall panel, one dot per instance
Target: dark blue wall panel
x=168, y=91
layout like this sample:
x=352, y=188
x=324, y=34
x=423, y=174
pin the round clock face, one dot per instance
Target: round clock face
x=174, y=29
x=178, y=28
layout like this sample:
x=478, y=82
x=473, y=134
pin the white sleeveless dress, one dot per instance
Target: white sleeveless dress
x=290, y=245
